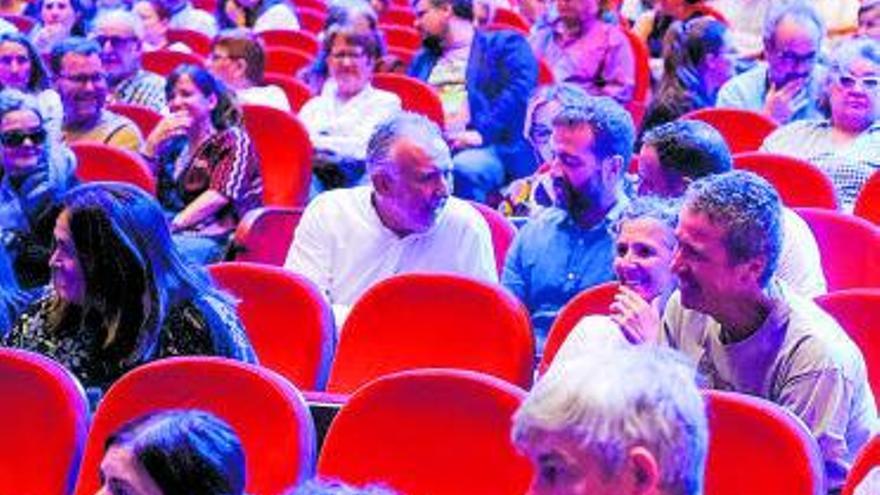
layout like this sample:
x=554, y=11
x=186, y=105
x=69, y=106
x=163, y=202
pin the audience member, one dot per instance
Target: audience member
x=569, y=248
x=342, y=118
x=538, y=13
x=35, y=176
x=257, y=15
x=697, y=60
x=484, y=79
x=404, y=221
x=12, y=298
x=676, y=154
x=58, y=20
x=121, y=294
x=22, y=68
x=626, y=420
x=174, y=452
x=583, y=49
x=333, y=487
x=846, y=145
x=654, y=23
x=752, y=335
x=528, y=196
x=644, y=244
x=869, y=19
x=155, y=18
x=82, y=83
x=786, y=86
x=208, y=170
x=238, y=59
x=185, y=16
x=120, y=35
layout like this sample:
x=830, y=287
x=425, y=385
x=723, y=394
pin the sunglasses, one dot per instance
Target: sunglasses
x=849, y=81
x=16, y=138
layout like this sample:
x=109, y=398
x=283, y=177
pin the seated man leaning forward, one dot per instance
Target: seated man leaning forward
x=623, y=421
x=349, y=239
x=752, y=335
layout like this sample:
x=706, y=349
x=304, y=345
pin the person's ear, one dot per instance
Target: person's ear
x=381, y=183
x=644, y=471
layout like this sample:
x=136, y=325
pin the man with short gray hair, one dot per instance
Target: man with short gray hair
x=750, y=334
x=405, y=221
x=623, y=420
x=120, y=35
x=786, y=86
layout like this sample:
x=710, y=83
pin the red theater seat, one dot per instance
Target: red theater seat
x=502, y=230
x=102, y=162
x=264, y=234
x=799, y=182
x=849, y=245
x=868, y=202
x=415, y=95
x=302, y=41
x=144, y=117
x=868, y=459
x=163, y=62
x=743, y=130
x=196, y=40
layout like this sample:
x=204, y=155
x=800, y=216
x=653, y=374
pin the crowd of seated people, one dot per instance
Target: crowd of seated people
x=104, y=277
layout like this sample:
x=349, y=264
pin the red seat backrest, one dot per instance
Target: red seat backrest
x=511, y=18
x=858, y=312
x=799, y=182
x=287, y=320
x=297, y=92
x=420, y=320
x=311, y=19
x=867, y=459
x=196, y=40
x=592, y=301
x=144, y=117
x=285, y=152
x=849, y=245
x=868, y=202
x=102, y=162
x=163, y=62
x=401, y=36
x=502, y=230
x=43, y=424
x=264, y=234
x=265, y=410
x=743, y=130
x=641, y=56
x=399, y=16
x=286, y=60
x=759, y=448
x=302, y=41
x=438, y=432
x=415, y=95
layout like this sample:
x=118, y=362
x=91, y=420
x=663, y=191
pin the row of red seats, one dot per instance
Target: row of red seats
x=438, y=431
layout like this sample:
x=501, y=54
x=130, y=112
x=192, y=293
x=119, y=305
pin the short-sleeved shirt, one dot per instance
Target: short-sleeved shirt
x=112, y=129
x=142, y=88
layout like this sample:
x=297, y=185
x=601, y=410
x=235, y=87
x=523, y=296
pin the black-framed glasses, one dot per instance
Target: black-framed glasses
x=19, y=59
x=540, y=133
x=16, y=138
x=83, y=79
x=792, y=58
x=347, y=55
x=116, y=42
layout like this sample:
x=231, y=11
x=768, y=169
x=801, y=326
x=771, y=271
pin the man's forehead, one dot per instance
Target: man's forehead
x=417, y=152
x=696, y=225
x=115, y=26
x=79, y=60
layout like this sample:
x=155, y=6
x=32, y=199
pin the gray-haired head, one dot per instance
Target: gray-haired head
x=842, y=59
x=619, y=399
x=413, y=126
x=663, y=210
x=611, y=125
x=802, y=11
x=748, y=209
x=120, y=17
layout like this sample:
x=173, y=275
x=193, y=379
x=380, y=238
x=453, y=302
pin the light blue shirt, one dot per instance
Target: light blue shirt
x=748, y=91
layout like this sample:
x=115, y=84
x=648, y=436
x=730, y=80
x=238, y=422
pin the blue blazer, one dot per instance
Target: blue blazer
x=501, y=74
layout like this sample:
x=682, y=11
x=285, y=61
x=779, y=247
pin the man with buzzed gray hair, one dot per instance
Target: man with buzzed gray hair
x=120, y=35
x=621, y=420
x=405, y=221
x=752, y=335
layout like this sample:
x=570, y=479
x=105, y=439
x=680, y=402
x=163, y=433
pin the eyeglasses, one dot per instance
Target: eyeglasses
x=351, y=55
x=792, y=58
x=19, y=59
x=116, y=42
x=16, y=138
x=96, y=79
x=849, y=81
x=216, y=57
x=540, y=133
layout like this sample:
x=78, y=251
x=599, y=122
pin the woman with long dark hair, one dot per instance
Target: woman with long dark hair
x=258, y=15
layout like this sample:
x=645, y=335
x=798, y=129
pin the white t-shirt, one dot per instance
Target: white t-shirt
x=267, y=96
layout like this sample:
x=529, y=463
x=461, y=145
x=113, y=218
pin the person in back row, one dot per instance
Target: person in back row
x=404, y=221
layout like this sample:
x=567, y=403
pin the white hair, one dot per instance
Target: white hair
x=122, y=16
x=619, y=398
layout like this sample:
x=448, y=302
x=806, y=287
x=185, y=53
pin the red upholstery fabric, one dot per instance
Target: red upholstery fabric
x=756, y=447
x=302, y=41
x=799, y=182
x=287, y=320
x=286, y=60
x=22, y=22
x=264, y=234
x=144, y=117
x=545, y=73
x=868, y=459
x=742, y=129
x=265, y=410
x=163, y=62
x=592, y=301
x=102, y=162
x=196, y=40
x=868, y=202
x=296, y=91
x=432, y=320
x=311, y=19
x=401, y=36
x=849, y=245
x=398, y=16
x=415, y=95
x=43, y=425
x=643, y=70
x=319, y=5
x=285, y=154
x=438, y=432
x=502, y=230
x=858, y=312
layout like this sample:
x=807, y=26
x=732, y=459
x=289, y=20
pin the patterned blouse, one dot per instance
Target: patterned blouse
x=201, y=326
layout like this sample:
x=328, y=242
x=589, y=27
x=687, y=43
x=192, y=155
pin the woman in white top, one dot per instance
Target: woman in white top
x=644, y=245
x=341, y=119
x=238, y=59
x=258, y=15
x=22, y=68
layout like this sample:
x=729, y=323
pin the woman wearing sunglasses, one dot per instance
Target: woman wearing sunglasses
x=846, y=145
x=34, y=176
